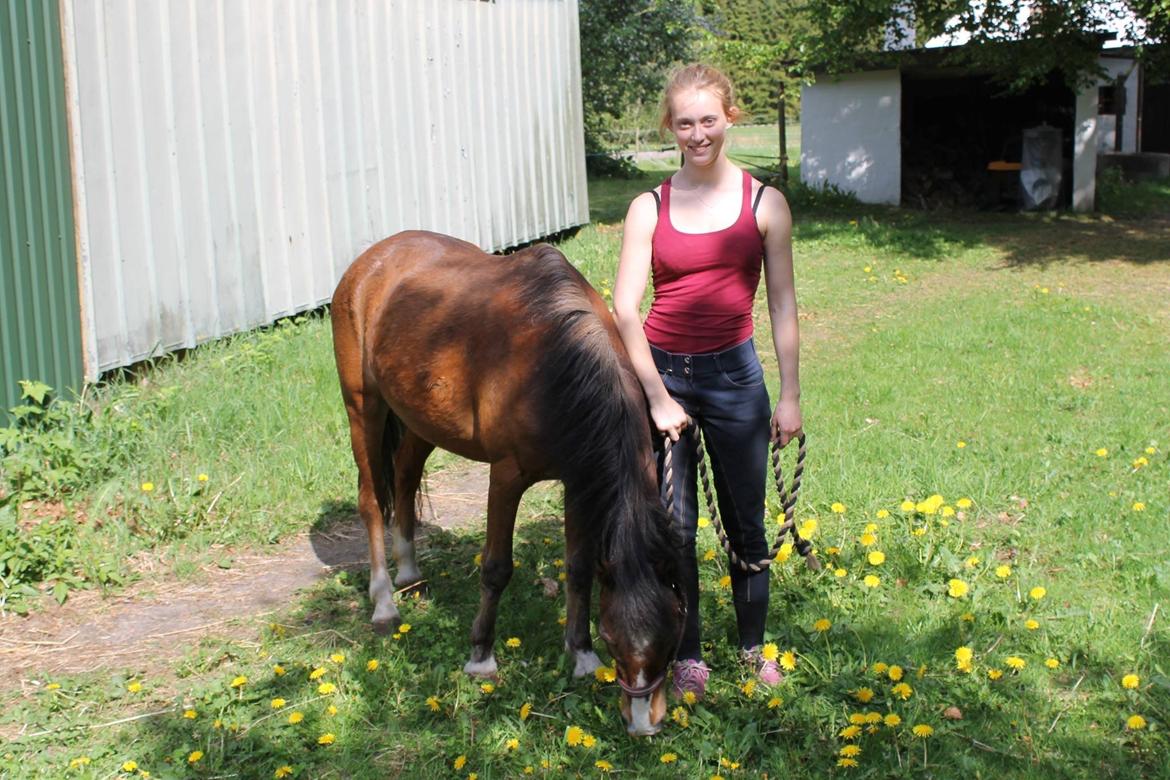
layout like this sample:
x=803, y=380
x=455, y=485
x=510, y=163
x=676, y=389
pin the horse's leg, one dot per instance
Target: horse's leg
x=506, y=487
x=367, y=423
x=580, y=561
x=409, y=460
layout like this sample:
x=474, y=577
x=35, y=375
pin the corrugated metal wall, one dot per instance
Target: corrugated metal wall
x=40, y=336
x=233, y=157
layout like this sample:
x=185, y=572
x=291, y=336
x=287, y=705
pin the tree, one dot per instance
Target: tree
x=627, y=47
x=1018, y=42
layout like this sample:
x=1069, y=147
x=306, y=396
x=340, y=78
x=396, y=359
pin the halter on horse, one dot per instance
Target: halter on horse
x=514, y=361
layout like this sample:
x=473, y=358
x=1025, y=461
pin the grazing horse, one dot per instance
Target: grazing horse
x=514, y=361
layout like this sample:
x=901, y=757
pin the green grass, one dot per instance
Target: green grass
x=1036, y=341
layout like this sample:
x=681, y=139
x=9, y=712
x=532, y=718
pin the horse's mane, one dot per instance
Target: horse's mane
x=598, y=431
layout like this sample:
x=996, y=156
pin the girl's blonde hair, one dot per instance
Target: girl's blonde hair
x=698, y=77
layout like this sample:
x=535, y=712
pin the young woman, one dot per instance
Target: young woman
x=704, y=234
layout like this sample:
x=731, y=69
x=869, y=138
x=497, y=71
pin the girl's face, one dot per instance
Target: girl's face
x=699, y=124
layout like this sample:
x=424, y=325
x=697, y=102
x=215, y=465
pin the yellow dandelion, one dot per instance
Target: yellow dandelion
x=190, y=714
x=850, y=732
x=1038, y=593
x=808, y=528
x=784, y=553
x=404, y=628
x=822, y=625
x=907, y=506
x=857, y=718
x=1131, y=681
x=960, y=444
x=134, y=687
x=1015, y=662
x=725, y=581
x=847, y=763
x=282, y=771
x=748, y=688
x=832, y=550
x=574, y=735
x=788, y=660
x=922, y=730
x=603, y=765
x=770, y=652
x=689, y=698
x=202, y=478
x=337, y=658
x=919, y=531
x=871, y=580
x=892, y=719
x=850, y=751
x=882, y=514
x=709, y=555
x=326, y=688
x=668, y=758
x=1003, y=571
x=525, y=710
x=703, y=522
x=605, y=674
x=296, y=717
x=588, y=740
x=326, y=739
x=679, y=715
x=972, y=562
x=903, y=691
x=880, y=667
x=1139, y=506
x=1031, y=624
x=957, y=589
x=1140, y=462
x=947, y=511
x=963, y=503
x=1135, y=722
x=876, y=558
x=1102, y=453
x=459, y=762
x=277, y=703
x=863, y=695
x=867, y=540
x=278, y=670
x=487, y=687
x=129, y=766
x=773, y=702
x=995, y=674
x=963, y=656
x=838, y=508
x=967, y=617
x=317, y=673
x=372, y=665
x=80, y=761
x=1151, y=450
x=513, y=642
x=147, y=487
x=331, y=710
x=895, y=673
x=840, y=572
x=512, y=744
x=195, y=757
x=1051, y=663
x=239, y=682
x=433, y=703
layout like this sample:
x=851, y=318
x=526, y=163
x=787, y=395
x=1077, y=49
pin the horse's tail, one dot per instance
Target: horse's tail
x=391, y=438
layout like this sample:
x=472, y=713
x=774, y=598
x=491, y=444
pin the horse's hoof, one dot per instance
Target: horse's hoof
x=484, y=668
x=385, y=622
x=586, y=663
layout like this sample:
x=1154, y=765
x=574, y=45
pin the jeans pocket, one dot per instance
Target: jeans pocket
x=749, y=374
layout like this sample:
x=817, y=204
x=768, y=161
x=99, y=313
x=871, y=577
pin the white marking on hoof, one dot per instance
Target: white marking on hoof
x=587, y=663
x=408, y=572
x=484, y=668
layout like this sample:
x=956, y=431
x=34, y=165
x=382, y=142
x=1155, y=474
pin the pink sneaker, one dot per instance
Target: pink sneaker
x=690, y=676
x=767, y=672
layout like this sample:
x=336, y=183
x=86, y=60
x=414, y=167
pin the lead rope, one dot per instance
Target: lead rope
x=787, y=502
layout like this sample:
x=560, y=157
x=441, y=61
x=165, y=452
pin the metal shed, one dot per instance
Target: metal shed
x=218, y=164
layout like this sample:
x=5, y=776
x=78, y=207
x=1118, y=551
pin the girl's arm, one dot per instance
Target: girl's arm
x=775, y=222
x=632, y=275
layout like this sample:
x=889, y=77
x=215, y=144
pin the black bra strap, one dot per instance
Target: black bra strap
x=759, y=194
x=657, y=201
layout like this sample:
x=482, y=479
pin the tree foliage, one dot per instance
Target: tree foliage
x=1017, y=42
x=627, y=47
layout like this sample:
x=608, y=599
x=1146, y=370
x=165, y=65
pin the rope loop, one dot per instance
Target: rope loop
x=787, y=501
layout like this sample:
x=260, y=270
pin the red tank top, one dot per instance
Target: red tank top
x=704, y=283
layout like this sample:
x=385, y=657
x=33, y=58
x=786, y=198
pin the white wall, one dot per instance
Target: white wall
x=231, y=158
x=851, y=135
x=1107, y=126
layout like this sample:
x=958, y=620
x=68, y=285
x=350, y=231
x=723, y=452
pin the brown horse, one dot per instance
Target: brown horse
x=514, y=361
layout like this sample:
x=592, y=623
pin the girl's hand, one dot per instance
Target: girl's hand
x=786, y=422
x=670, y=419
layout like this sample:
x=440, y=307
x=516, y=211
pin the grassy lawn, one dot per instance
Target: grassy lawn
x=985, y=399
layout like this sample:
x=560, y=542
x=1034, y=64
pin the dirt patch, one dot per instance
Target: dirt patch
x=147, y=627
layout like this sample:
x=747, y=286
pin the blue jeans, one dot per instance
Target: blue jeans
x=724, y=393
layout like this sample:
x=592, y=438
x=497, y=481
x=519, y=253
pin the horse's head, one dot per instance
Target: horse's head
x=641, y=621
